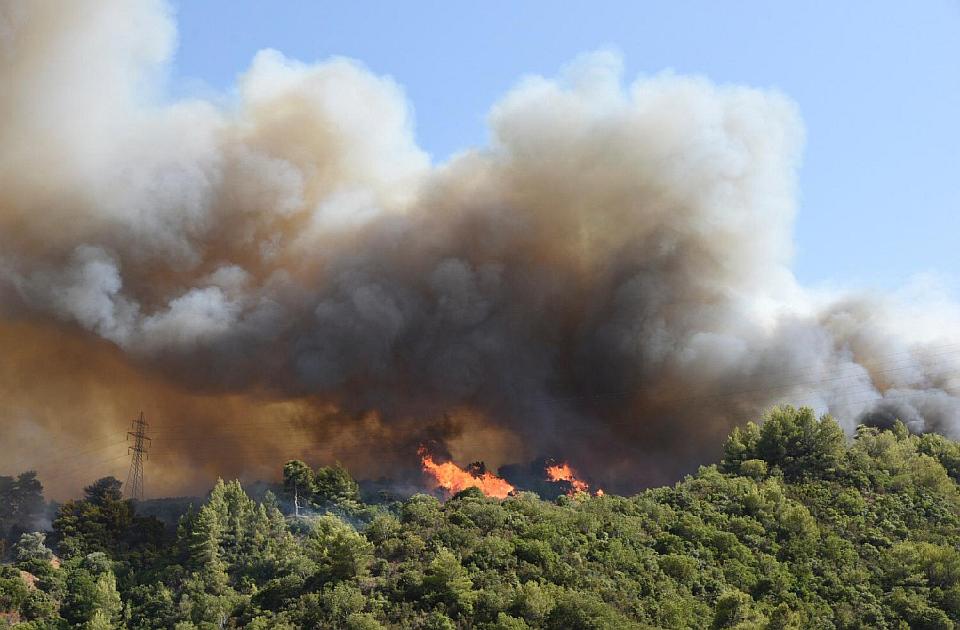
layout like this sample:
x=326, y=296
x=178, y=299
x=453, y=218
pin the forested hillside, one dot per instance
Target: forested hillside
x=796, y=527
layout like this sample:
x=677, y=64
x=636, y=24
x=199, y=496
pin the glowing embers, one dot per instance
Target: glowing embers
x=453, y=479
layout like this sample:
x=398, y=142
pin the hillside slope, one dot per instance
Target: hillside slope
x=797, y=527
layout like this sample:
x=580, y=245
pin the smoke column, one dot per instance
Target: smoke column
x=289, y=275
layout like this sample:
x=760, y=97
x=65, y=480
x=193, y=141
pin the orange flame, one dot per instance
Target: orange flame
x=563, y=472
x=452, y=478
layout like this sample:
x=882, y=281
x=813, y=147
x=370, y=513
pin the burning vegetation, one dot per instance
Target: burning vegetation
x=454, y=479
x=563, y=472
x=451, y=478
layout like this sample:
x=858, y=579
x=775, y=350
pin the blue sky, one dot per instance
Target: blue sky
x=877, y=82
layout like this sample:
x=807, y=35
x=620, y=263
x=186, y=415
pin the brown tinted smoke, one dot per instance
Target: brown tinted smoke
x=284, y=273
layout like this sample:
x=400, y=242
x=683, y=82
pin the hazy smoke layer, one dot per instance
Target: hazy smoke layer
x=287, y=274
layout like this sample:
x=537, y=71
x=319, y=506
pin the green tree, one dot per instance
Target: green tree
x=91, y=600
x=32, y=554
x=792, y=439
x=13, y=589
x=333, y=485
x=337, y=549
x=21, y=505
x=740, y=446
x=448, y=583
x=151, y=607
x=297, y=482
x=101, y=521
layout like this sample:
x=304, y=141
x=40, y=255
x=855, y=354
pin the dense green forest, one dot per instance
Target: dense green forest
x=797, y=526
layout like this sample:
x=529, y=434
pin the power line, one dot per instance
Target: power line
x=138, y=451
x=82, y=469
x=65, y=454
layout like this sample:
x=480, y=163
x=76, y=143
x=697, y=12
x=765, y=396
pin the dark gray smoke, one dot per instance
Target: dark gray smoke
x=607, y=282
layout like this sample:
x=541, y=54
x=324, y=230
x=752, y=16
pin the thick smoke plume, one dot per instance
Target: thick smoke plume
x=286, y=273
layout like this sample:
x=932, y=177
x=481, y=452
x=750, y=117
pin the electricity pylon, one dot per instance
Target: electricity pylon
x=141, y=443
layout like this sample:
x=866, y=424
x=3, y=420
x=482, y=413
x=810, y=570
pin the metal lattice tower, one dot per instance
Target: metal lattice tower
x=141, y=444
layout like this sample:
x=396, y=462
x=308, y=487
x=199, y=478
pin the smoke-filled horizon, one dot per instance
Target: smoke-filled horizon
x=288, y=275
